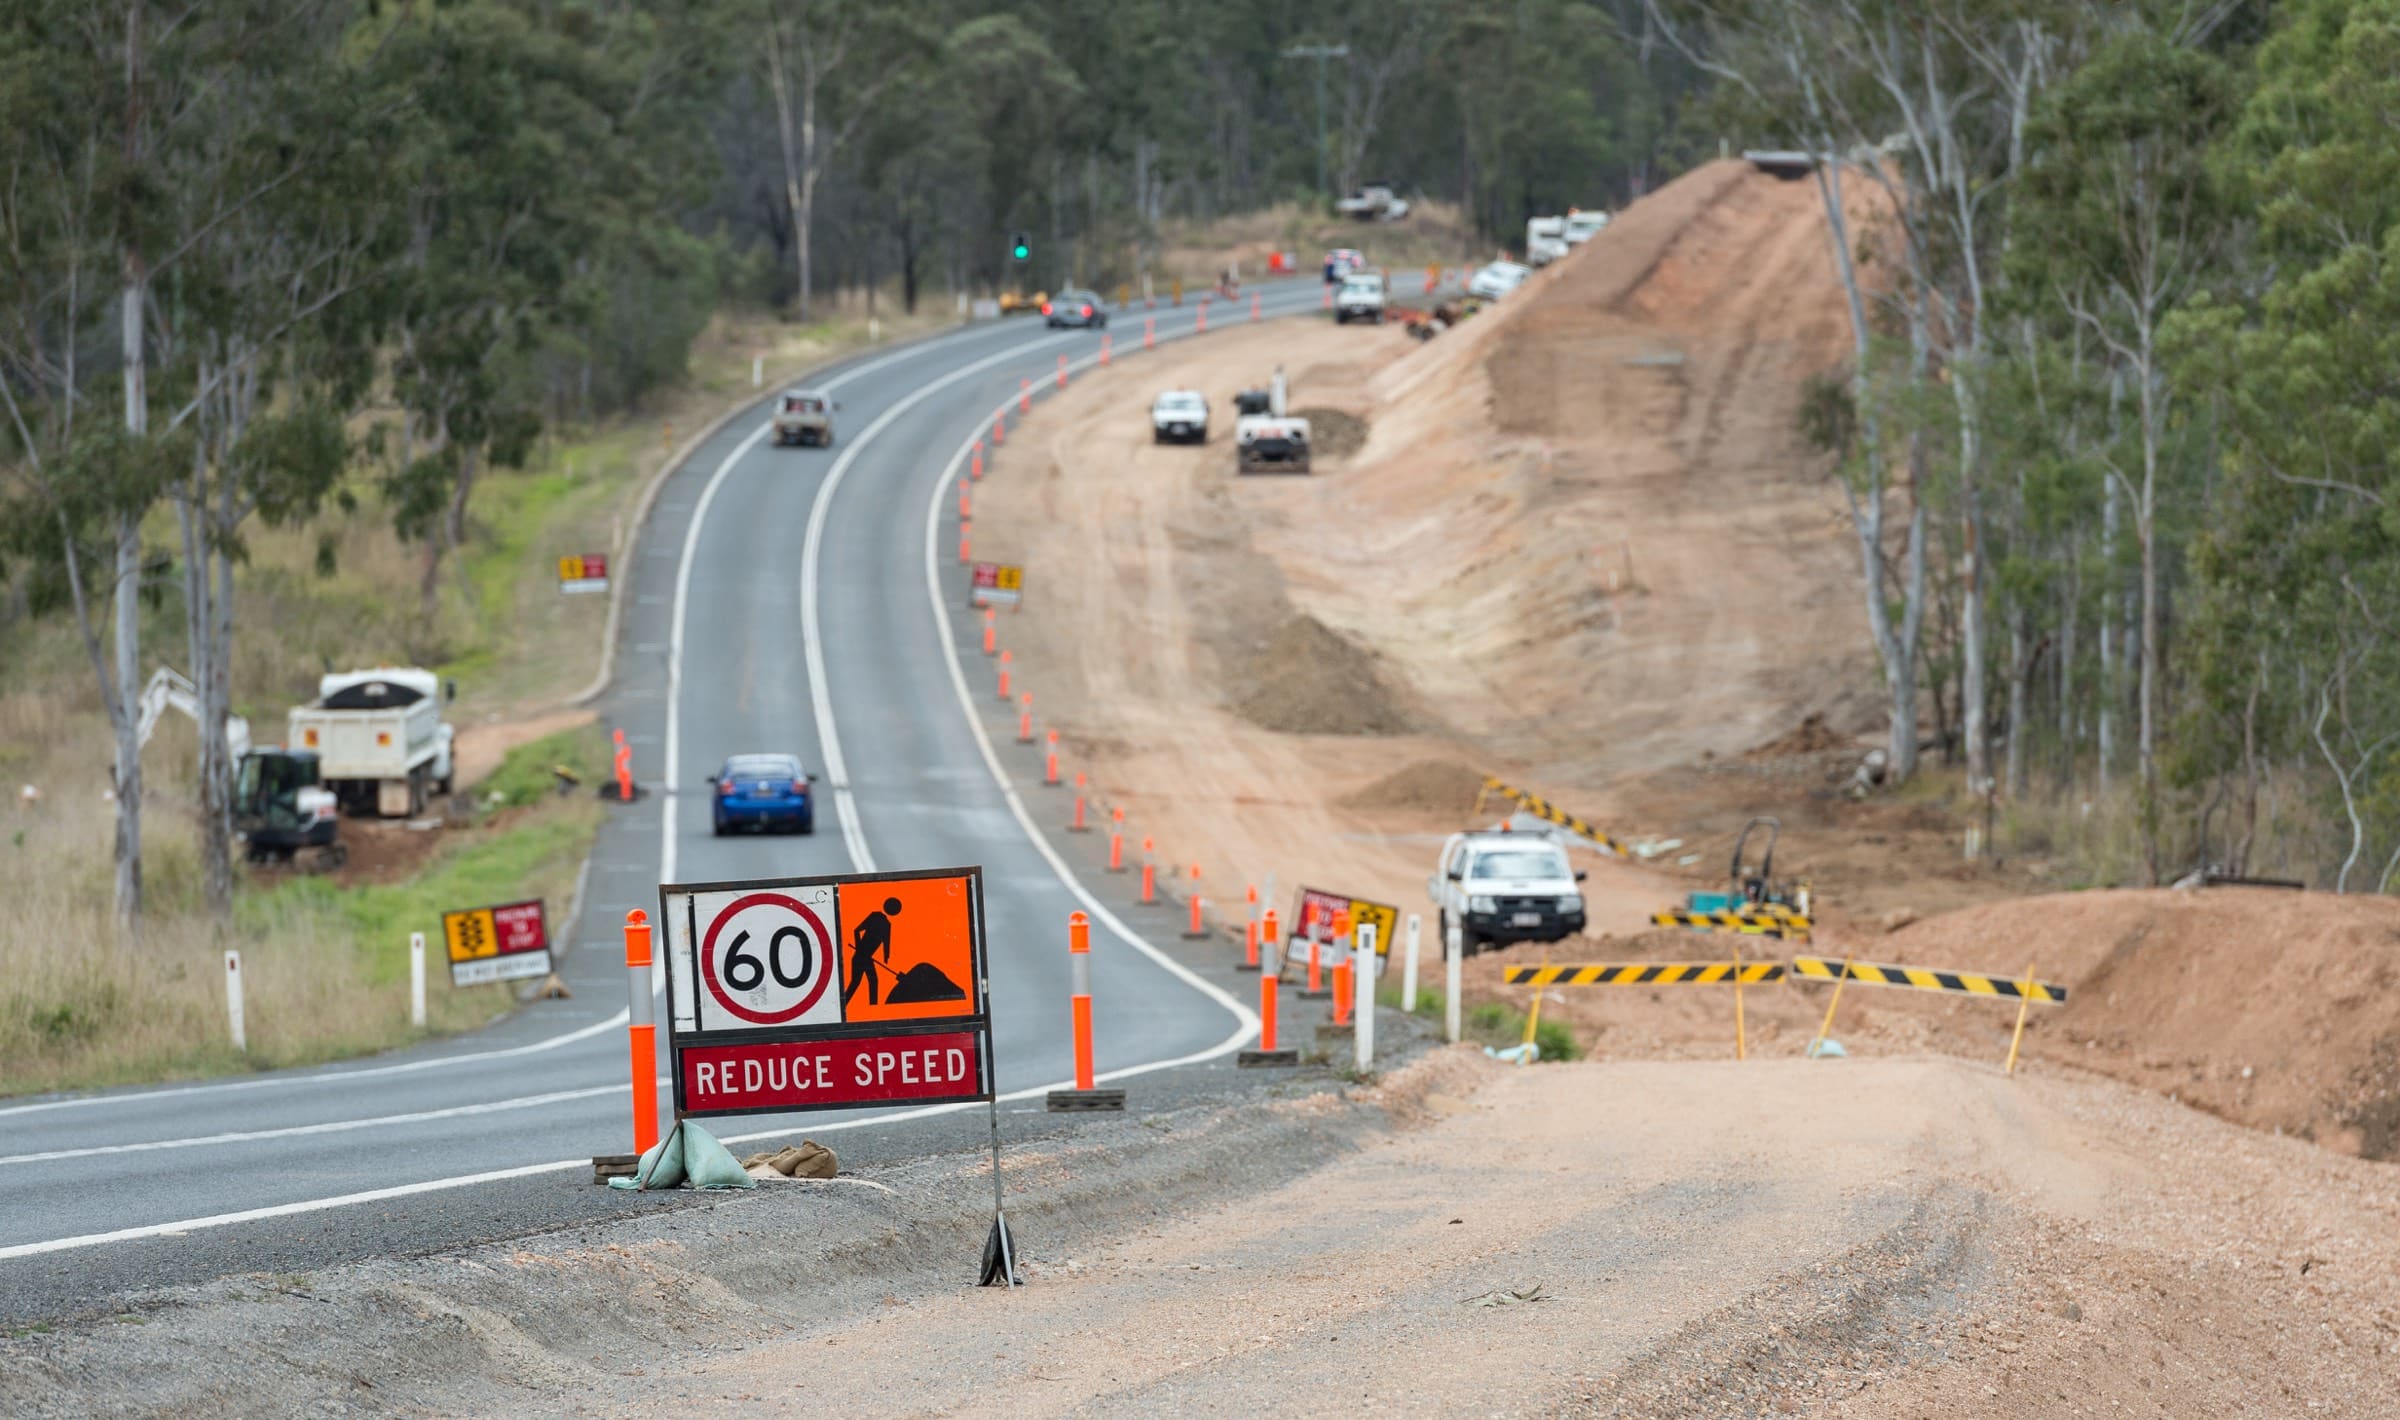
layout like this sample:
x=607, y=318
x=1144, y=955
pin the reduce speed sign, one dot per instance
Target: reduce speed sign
x=766, y=958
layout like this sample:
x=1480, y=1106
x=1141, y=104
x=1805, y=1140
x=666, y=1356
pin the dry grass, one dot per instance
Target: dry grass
x=1433, y=233
x=325, y=970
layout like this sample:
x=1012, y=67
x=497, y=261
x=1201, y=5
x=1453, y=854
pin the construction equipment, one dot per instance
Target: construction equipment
x=283, y=813
x=1753, y=904
x=172, y=690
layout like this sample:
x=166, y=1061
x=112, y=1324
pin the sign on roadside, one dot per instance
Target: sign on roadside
x=827, y=993
x=583, y=572
x=1315, y=912
x=503, y=943
x=996, y=584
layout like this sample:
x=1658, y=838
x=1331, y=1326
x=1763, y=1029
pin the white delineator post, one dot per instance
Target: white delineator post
x=1453, y=958
x=758, y=371
x=1362, y=983
x=1408, y=970
x=233, y=1001
x=416, y=979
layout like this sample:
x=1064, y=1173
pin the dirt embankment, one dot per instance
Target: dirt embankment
x=1581, y=546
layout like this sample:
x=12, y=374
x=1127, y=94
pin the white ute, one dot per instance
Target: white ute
x=1506, y=887
x=1545, y=240
x=1179, y=417
x=379, y=739
x=1362, y=296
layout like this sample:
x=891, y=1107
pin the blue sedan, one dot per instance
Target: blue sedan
x=763, y=791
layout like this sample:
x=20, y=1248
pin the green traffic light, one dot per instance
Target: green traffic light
x=1023, y=251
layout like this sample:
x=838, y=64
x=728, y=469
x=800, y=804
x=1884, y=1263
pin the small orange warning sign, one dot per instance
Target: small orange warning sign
x=908, y=949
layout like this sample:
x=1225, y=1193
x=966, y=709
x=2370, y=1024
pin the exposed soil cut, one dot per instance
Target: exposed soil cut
x=1334, y=433
x=1443, y=787
x=1313, y=681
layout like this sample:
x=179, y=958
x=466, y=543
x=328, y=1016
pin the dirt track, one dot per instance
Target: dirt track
x=1870, y=1239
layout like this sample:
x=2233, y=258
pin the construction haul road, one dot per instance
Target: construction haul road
x=781, y=599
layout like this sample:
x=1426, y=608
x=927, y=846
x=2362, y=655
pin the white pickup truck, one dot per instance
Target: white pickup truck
x=1506, y=887
x=1179, y=417
x=1362, y=296
x=379, y=738
x=1545, y=240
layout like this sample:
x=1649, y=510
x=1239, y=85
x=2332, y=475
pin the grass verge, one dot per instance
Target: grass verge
x=1492, y=1023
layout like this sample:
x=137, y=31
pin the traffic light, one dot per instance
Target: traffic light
x=1019, y=248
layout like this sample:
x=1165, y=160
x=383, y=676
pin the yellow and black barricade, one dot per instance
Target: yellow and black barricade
x=1647, y=973
x=1548, y=812
x=2023, y=991
x=1765, y=920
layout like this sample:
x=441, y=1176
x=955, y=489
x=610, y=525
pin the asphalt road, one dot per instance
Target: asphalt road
x=782, y=599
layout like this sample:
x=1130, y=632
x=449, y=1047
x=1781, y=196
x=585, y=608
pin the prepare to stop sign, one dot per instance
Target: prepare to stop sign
x=814, y=993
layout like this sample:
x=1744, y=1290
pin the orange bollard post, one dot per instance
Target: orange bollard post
x=999, y=428
x=1050, y=765
x=1116, y=840
x=1004, y=659
x=1341, y=992
x=1254, y=316
x=1104, y=350
x=1268, y=1053
x=641, y=1031
x=1150, y=332
x=964, y=512
x=1249, y=960
x=991, y=631
x=1024, y=396
x=1149, y=872
x=1079, y=948
x=624, y=770
x=1062, y=372
x=1198, y=929
x=964, y=556
x=1025, y=718
x=1327, y=303
x=1079, y=1015
x=1078, y=826
x=1200, y=323
x=975, y=464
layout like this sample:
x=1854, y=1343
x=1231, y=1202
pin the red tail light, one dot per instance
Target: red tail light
x=725, y=788
x=1087, y=310
x=1045, y=308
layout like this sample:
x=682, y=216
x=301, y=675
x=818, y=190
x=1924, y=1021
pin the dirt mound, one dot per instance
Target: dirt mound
x=1334, y=433
x=1311, y=680
x=1443, y=787
x=1810, y=736
x=2274, y=1009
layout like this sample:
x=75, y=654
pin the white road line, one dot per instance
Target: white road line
x=335, y=1126
x=1248, y=1021
x=829, y=739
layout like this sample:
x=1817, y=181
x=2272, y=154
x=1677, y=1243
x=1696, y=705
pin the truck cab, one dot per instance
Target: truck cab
x=1545, y=240
x=1502, y=887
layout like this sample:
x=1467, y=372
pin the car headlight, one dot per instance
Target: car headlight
x=1482, y=904
x=1571, y=905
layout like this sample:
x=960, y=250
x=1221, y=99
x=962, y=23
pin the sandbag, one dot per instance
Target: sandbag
x=689, y=1155
x=809, y=1159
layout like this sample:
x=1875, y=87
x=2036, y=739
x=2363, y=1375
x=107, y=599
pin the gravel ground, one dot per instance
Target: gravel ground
x=1872, y=1239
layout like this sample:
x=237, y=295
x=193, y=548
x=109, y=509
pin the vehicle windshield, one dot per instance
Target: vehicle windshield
x=1181, y=400
x=802, y=404
x=762, y=766
x=1518, y=863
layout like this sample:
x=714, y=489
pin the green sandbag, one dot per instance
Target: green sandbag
x=689, y=1154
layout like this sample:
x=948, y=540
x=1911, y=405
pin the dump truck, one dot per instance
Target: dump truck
x=382, y=747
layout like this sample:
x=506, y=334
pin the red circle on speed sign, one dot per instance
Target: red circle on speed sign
x=768, y=959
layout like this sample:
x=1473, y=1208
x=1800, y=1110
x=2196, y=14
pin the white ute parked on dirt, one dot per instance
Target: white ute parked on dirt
x=1362, y=297
x=1506, y=887
x=1179, y=417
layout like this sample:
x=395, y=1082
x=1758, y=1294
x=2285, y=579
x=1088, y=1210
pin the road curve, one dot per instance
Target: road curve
x=788, y=599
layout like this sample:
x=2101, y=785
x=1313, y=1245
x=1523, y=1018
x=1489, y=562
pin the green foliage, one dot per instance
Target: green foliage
x=528, y=774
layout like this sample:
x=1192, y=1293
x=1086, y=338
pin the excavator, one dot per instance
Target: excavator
x=282, y=812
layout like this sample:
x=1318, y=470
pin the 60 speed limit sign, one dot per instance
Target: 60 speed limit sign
x=765, y=958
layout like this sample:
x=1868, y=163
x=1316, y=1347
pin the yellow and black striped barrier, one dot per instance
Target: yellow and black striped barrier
x=1647, y=973
x=1919, y=978
x=1770, y=920
x=1548, y=812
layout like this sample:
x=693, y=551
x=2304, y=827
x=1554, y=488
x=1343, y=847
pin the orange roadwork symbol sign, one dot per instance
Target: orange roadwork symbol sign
x=909, y=950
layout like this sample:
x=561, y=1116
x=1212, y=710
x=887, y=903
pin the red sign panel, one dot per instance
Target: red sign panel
x=779, y=1075
x=518, y=927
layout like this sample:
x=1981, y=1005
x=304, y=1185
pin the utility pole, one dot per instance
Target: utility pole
x=1320, y=53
